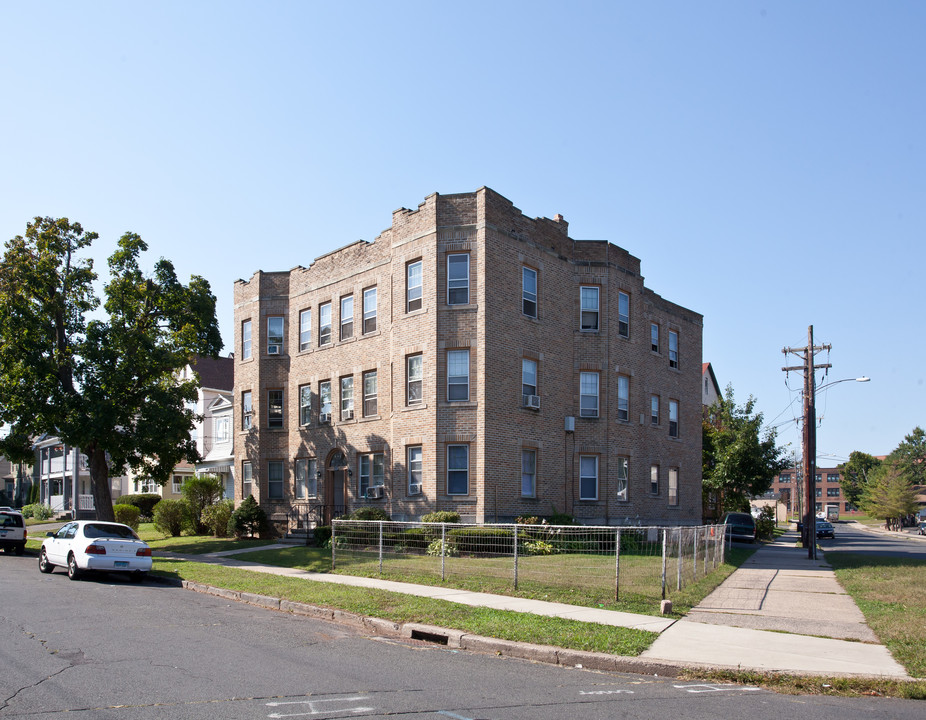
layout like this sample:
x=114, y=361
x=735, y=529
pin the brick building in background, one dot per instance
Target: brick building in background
x=469, y=359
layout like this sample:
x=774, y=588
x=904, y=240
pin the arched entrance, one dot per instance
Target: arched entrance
x=337, y=472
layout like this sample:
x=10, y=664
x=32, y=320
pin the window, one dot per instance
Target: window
x=275, y=335
x=222, y=429
x=305, y=404
x=305, y=330
x=246, y=340
x=275, y=408
x=458, y=279
x=324, y=400
x=457, y=375
x=413, y=374
x=369, y=393
x=275, y=480
x=818, y=478
x=458, y=469
x=588, y=394
x=785, y=478
x=673, y=349
x=654, y=409
x=673, y=418
x=347, y=398
x=622, y=478
x=818, y=492
x=529, y=291
x=673, y=486
x=654, y=337
x=306, y=482
x=654, y=479
x=347, y=317
x=623, y=398
x=414, y=456
x=528, y=377
x=832, y=492
x=176, y=484
x=528, y=473
x=589, y=318
x=369, y=310
x=246, y=478
x=623, y=314
x=371, y=472
x=324, y=323
x=832, y=477
x=588, y=477
x=247, y=410
x=413, y=286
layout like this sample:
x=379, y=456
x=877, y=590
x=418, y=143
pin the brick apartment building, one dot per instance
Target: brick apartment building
x=469, y=359
x=827, y=490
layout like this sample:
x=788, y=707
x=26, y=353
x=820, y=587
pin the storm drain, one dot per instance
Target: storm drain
x=429, y=637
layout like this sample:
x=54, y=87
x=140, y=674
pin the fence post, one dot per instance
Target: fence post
x=694, y=552
x=515, y=556
x=723, y=545
x=380, y=547
x=706, y=536
x=664, y=532
x=617, y=565
x=678, y=565
x=443, y=549
x=333, y=544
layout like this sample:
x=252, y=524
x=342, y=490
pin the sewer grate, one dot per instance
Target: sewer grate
x=429, y=637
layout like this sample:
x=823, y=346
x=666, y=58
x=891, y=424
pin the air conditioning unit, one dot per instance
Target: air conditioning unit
x=324, y=418
x=531, y=401
x=347, y=415
x=414, y=489
x=374, y=492
x=273, y=349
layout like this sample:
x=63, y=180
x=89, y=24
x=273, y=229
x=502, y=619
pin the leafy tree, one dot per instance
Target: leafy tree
x=200, y=493
x=910, y=456
x=854, y=475
x=249, y=519
x=106, y=382
x=889, y=494
x=738, y=459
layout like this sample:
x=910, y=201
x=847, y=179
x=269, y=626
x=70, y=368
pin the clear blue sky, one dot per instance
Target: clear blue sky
x=766, y=161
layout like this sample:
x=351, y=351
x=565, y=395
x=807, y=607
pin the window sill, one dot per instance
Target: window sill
x=416, y=406
x=247, y=360
x=324, y=346
x=345, y=341
x=306, y=351
x=458, y=404
x=369, y=418
x=414, y=313
x=462, y=307
x=580, y=331
x=371, y=334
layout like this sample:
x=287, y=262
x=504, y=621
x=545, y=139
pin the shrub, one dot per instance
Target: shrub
x=538, y=547
x=27, y=510
x=248, y=519
x=765, y=523
x=443, y=516
x=322, y=534
x=527, y=520
x=200, y=493
x=127, y=515
x=369, y=513
x=416, y=538
x=440, y=548
x=216, y=517
x=37, y=511
x=145, y=503
x=558, y=518
x=484, y=540
x=170, y=516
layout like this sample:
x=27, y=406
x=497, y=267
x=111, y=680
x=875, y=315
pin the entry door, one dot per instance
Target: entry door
x=334, y=494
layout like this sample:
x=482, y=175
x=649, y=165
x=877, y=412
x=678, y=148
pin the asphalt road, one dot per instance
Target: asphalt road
x=104, y=648
x=850, y=539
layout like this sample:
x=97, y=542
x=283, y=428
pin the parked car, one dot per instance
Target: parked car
x=13, y=531
x=740, y=526
x=825, y=529
x=92, y=545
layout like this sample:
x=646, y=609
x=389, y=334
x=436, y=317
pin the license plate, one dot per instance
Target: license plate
x=121, y=563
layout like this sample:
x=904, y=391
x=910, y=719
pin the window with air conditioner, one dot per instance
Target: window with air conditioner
x=347, y=397
x=275, y=335
x=371, y=472
x=414, y=458
x=529, y=396
x=324, y=401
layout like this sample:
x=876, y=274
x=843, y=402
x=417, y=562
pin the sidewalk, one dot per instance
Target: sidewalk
x=765, y=617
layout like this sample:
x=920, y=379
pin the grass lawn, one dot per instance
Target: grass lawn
x=889, y=592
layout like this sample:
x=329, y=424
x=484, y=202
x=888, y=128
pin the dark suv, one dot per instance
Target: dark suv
x=740, y=526
x=12, y=531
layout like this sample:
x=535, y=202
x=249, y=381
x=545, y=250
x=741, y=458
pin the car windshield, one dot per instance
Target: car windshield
x=121, y=532
x=739, y=518
x=10, y=520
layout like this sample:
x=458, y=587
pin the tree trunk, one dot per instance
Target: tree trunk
x=99, y=479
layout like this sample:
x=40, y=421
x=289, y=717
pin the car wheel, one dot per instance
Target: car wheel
x=137, y=576
x=73, y=570
x=44, y=565
x=20, y=549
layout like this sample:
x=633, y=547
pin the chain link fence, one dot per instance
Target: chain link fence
x=606, y=563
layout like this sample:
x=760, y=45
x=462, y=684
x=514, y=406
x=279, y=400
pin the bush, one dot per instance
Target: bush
x=249, y=519
x=765, y=523
x=216, y=517
x=440, y=548
x=484, y=540
x=558, y=518
x=527, y=520
x=322, y=534
x=444, y=516
x=37, y=511
x=170, y=516
x=200, y=493
x=369, y=513
x=27, y=510
x=145, y=503
x=538, y=547
x=127, y=515
x=416, y=538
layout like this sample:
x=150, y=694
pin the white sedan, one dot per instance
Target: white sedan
x=95, y=545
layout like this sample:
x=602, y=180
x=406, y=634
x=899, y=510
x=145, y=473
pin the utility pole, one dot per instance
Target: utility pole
x=809, y=535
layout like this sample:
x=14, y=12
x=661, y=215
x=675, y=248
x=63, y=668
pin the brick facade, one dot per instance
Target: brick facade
x=470, y=431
